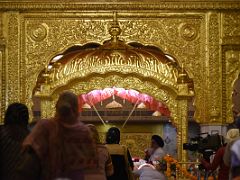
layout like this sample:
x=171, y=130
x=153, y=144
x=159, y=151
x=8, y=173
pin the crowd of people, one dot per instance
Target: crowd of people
x=64, y=148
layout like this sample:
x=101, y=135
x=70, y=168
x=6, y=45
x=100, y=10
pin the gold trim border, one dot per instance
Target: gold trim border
x=169, y=5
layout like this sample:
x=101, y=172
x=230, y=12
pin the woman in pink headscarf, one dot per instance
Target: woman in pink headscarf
x=63, y=145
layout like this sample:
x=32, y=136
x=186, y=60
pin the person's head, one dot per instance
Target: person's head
x=156, y=142
x=67, y=106
x=232, y=134
x=94, y=132
x=113, y=136
x=16, y=114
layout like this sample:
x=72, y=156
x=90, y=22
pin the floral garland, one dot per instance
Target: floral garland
x=171, y=161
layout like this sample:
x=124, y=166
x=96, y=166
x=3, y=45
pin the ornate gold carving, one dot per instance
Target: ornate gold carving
x=136, y=142
x=215, y=87
x=119, y=5
x=1, y=90
x=68, y=32
x=2, y=72
x=115, y=62
x=182, y=129
x=188, y=32
x=38, y=32
x=13, y=58
x=231, y=70
x=231, y=24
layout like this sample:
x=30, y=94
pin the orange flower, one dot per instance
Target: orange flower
x=210, y=178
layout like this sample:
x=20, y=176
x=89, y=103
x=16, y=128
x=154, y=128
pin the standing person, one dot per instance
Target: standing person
x=121, y=158
x=104, y=166
x=223, y=173
x=12, y=134
x=235, y=159
x=227, y=154
x=61, y=147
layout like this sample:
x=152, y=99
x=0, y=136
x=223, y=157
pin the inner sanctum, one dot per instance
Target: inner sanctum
x=168, y=68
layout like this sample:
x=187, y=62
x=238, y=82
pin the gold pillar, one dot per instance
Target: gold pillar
x=182, y=129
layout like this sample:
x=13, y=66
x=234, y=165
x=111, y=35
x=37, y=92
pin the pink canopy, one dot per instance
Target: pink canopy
x=131, y=95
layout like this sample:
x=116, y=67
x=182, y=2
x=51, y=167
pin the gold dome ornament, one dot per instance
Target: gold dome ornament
x=157, y=114
x=86, y=106
x=141, y=106
x=114, y=104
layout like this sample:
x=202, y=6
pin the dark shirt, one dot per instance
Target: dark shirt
x=11, y=138
x=223, y=173
x=122, y=162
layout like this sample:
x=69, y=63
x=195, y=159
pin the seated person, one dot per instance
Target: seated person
x=121, y=158
x=148, y=172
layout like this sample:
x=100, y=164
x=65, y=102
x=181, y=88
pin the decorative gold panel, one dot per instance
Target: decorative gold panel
x=214, y=91
x=176, y=35
x=231, y=24
x=13, y=63
x=83, y=5
x=198, y=34
x=136, y=142
x=231, y=60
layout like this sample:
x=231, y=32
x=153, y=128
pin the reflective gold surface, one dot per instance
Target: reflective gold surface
x=202, y=36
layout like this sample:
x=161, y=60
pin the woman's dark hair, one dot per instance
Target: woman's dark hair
x=158, y=140
x=17, y=113
x=113, y=136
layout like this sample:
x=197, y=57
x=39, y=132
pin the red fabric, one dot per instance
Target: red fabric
x=218, y=162
x=131, y=95
x=59, y=146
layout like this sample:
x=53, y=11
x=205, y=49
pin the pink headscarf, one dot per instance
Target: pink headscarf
x=63, y=144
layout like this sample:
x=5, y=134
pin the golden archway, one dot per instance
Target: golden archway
x=162, y=81
x=116, y=63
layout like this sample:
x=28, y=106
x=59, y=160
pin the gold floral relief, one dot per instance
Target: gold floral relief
x=1, y=90
x=136, y=142
x=231, y=60
x=231, y=24
x=178, y=36
x=215, y=80
x=13, y=58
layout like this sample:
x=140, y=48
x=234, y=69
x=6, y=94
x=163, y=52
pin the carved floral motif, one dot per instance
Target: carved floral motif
x=231, y=56
x=215, y=87
x=188, y=31
x=231, y=24
x=38, y=32
x=13, y=72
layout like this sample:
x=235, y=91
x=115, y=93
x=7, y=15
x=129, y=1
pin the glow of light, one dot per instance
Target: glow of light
x=170, y=57
x=50, y=67
x=56, y=58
